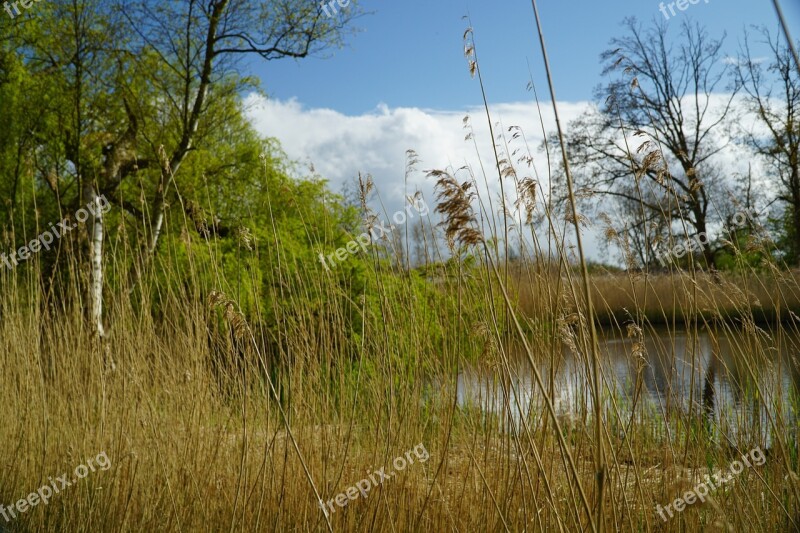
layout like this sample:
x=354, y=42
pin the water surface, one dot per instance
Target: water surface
x=743, y=385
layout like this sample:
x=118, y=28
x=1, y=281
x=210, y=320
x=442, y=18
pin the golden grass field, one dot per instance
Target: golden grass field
x=239, y=385
x=197, y=440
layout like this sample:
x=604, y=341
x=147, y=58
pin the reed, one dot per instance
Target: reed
x=230, y=397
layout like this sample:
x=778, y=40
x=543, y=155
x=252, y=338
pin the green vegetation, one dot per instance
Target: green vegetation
x=192, y=334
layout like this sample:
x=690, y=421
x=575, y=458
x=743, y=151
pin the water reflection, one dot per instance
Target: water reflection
x=741, y=385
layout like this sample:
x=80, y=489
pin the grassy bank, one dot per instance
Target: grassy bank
x=213, y=421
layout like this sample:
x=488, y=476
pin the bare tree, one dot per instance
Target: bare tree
x=650, y=142
x=772, y=88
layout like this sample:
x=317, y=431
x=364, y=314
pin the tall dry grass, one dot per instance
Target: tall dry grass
x=223, y=431
x=215, y=419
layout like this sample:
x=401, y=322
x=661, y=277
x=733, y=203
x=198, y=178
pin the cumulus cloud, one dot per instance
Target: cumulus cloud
x=340, y=146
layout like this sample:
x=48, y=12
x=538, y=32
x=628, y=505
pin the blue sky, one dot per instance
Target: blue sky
x=403, y=83
x=410, y=52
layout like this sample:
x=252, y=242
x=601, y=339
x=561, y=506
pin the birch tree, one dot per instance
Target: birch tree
x=82, y=141
x=135, y=87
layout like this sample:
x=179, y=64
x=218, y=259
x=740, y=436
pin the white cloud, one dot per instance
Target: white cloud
x=340, y=146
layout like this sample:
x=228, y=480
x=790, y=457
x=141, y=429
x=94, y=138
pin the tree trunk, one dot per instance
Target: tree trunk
x=710, y=258
x=795, y=207
x=708, y=254
x=170, y=168
x=158, y=211
x=94, y=205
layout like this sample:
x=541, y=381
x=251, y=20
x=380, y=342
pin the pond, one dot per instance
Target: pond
x=743, y=385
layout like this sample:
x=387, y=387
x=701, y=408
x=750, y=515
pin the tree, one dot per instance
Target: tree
x=650, y=142
x=136, y=87
x=772, y=90
x=80, y=138
x=196, y=47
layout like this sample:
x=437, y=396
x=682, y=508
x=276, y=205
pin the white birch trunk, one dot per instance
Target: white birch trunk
x=158, y=222
x=96, y=208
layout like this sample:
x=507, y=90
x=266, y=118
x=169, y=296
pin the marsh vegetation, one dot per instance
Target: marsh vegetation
x=234, y=381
